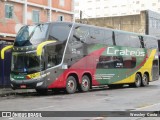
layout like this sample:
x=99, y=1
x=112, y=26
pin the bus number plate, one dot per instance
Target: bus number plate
x=23, y=86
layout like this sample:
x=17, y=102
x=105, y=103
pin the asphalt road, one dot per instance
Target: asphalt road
x=99, y=99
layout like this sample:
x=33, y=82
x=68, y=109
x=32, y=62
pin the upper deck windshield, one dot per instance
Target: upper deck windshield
x=31, y=35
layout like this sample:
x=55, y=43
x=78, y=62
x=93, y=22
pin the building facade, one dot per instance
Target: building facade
x=108, y=8
x=16, y=13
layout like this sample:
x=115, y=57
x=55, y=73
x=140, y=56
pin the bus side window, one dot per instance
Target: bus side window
x=80, y=35
x=136, y=41
x=108, y=37
x=150, y=42
x=122, y=39
x=96, y=35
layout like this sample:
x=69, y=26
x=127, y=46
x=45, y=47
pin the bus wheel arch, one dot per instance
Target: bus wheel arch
x=145, y=79
x=86, y=82
x=72, y=83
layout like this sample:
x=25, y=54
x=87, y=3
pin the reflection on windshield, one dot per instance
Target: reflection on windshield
x=31, y=35
x=26, y=63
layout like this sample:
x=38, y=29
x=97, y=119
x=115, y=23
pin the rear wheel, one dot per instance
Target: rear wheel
x=85, y=85
x=145, y=80
x=71, y=85
x=137, y=82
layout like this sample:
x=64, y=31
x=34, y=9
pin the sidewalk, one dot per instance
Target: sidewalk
x=10, y=91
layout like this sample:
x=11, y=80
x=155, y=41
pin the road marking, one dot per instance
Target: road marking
x=147, y=106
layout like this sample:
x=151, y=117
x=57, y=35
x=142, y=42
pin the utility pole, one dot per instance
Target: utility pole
x=80, y=16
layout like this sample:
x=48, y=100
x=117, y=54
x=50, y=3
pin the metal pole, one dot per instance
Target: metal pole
x=80, y=16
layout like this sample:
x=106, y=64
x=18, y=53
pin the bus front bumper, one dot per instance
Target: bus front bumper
x=28, y=84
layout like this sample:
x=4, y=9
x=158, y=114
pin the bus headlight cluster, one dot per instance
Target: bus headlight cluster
x=39, y=84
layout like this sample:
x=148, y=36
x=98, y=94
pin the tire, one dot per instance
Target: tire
x=42, y=91
x=71, y=85
x=85, y=85
x=138, y=80
x=145, y=80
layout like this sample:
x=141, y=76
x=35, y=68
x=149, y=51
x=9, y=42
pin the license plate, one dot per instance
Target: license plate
x=23, y=86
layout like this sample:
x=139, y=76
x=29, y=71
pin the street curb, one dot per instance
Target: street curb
x=10, y=91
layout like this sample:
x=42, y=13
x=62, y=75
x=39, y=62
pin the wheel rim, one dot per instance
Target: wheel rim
x=71, y=85
x=138, y=80
x=85, y=83
x=145, y=79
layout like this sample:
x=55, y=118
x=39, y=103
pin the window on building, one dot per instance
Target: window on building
x=114, y=6
x=142, y=5
x=123, y=6
x=123, y=13
x=137, y=2
x=89, y=8
x=35, y=16
x=61, y=2
x=153, y=4
x=8, y=11
x=60, y=18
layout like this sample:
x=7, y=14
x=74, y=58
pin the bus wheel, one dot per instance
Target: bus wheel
x=145, y=80
x=85, y=85
x=42, y=91
x=71, y=85
x=137, y=82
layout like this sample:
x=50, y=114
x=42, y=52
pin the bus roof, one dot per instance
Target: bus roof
x=115, y=30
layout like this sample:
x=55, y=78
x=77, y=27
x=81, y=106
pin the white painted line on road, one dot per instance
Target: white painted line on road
x=42, y=108
x=147, y=106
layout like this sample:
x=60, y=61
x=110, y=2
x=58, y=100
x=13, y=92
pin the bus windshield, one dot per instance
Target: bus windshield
x=26, y=63
x=31, y=35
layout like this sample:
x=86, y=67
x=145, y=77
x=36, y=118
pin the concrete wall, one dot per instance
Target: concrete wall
x=132, y=23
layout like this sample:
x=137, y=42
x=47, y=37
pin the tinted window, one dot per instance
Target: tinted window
x=131, y=40
x=135, y=41
x=31, y=35
x=96, y=35
x=80, y=34
x=109, y=62
x=59, y=32
x=54, y=54
x=150, y=42
x=122, y=39
x=108, y=37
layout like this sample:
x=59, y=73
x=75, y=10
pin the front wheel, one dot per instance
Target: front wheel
x=71, y=85
x=85, y=85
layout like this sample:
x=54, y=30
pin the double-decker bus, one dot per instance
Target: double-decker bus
x=75, y=56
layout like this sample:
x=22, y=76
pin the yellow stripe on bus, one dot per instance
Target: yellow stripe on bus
x=40, y=46
x=34, y=75
x=147, y=67
x=4, y=50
